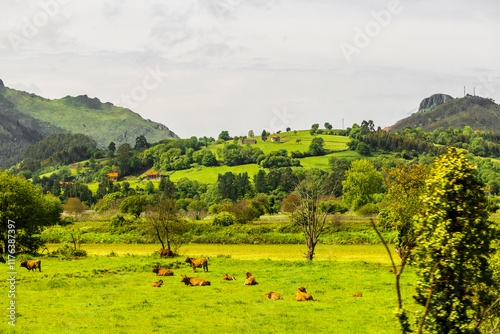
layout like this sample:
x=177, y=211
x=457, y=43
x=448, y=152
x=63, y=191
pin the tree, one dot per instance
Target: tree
x=328, y=126
x=317, y=146
x=112, y=146
x=224, y=135
x=363, y=149
x=362, y=181
x=149, y=188
x=74, y=206
x=263, y=135
x=167, y=187
x=251, y=134
x=141, y=143
x=209, y=159
x=260, y=182
x=163, y=220
x=315, y=126
x=198, y=208
x=26, y=210
x=453, y=247
x=124, y=156
x=305, y=208
x=134, y=205
x=288, y=129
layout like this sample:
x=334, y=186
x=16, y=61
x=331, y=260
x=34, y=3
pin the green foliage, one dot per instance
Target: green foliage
x=224, y=135
x=368, y=209
x=363, y=149
x=224, y=219
x=332, y=207
x=362, y=182
x=134, y=205
x=453, y=246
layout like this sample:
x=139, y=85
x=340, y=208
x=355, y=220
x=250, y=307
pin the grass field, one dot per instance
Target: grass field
x=113, y=294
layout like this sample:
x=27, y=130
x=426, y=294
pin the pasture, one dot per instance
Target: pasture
x=110, y=291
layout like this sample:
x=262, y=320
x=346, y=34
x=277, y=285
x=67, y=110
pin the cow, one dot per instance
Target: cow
x=226, y=277
x=302, y=295
x=2, y=260
x=191, y=281
x=273, y=296
x=250, y=279
x=157, y=284
x=197, y=263
x=166, y=252
x=162, y=272
x=359, y=294
x=32, y=264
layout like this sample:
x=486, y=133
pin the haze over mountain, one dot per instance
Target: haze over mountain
x=27, y=118
x=441, y=110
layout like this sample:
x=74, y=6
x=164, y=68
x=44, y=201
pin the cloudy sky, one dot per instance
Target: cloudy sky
x=203, y=66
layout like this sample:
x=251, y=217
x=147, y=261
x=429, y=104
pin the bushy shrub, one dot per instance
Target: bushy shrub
x=224, y=219
x=332, y=207
x=368, y=210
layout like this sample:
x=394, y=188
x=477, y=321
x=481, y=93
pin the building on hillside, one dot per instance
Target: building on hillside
x=113, y=176
x=74, y=165
x=248, y=141
x=389, y=129
x=275, y=139
x=154, y=176
x=476, y=131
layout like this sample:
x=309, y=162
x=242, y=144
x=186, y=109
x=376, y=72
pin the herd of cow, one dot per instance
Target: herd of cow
x=301, y=294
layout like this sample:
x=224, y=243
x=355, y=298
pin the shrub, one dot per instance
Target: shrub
x=224, y=219
x=368, y=210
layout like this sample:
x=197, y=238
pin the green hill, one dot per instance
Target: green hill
x=479, y=113
x=27, y=118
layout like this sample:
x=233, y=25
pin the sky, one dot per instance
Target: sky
x=204, y=66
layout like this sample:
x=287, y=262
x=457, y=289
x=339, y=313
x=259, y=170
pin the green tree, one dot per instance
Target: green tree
x=112, y=146
x=141, y=143
x=317, y=146
x=361, y=183
x=149, y=188
x=209, y=159
x=224, y=135
x=363, y=149
x=167, y=187
x=288, y=129
x=134, y=205
x=25, y=206
x=263, y=135
x=328, y=126
x=251, y=134
x=74, y=206
x=315, y=126
x=260, y=182
x=124, y=156
x=453, y=247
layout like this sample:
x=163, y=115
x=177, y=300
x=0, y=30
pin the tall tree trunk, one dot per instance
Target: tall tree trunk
x=167, y=238
x=159, y=238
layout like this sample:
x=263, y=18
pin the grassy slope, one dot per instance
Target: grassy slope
x=114, y=295
x=107, y=124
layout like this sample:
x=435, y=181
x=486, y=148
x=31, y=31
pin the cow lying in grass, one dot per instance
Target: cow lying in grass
x=226, y=277
x=166, y=252
x=359, y=294
x=302, y=295
x=157, y=284
x=273, y=296
x=191, y=281
x=162, y=272
x=32, y=264
x=197, y=263
x=250, y=279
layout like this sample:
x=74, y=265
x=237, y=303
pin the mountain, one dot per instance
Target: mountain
x=433, y=101
x=479, y=113
x=27, y=118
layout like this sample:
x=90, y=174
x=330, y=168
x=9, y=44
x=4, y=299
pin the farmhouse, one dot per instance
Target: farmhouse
x=113, y=176
x=248, y=141
x=74, y=165
x=389, y=129
x=154, y=176
x=275, y=139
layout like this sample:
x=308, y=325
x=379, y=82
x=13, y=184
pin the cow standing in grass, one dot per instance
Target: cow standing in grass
x=32, y=264
x=250, y=280
x=191, y=281
x=302, y=295
x=273, y=296
x=162, y=272
x=197, y=263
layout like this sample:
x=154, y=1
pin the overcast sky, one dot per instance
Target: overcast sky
x=204, y=66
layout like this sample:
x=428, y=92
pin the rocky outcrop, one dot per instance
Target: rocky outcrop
x=433, y=101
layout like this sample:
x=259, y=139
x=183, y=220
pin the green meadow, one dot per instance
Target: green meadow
x=110, y=291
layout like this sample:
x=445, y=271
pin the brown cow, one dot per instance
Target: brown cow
x=226, y=277
x=166, y=252
x=197, y=263
x=162, y=272
x=273, y=296
x=302, y=295
x=250, y=279
x=2, y=260
x=157, y=284
x=191, y=281
x=32, y=264
x=359, y=294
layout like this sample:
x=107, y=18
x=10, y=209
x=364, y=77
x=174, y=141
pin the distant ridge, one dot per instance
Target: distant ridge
x=479, y=113
x=433, y=101
x=26, y=118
